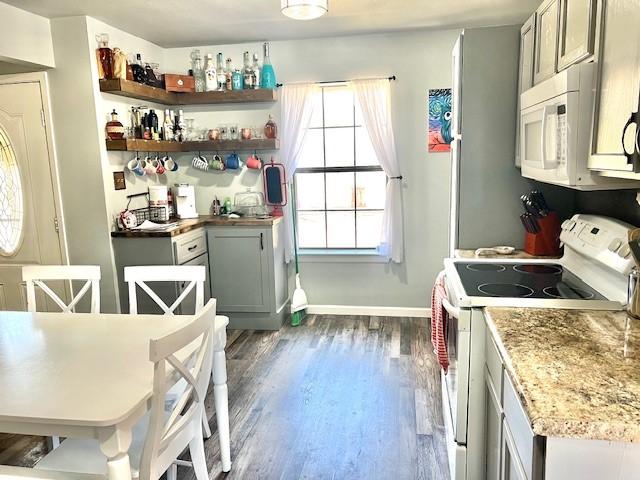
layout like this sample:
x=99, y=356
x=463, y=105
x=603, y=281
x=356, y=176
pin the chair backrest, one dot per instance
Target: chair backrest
x=170, y=432
x=37, y=275
x=194, y=274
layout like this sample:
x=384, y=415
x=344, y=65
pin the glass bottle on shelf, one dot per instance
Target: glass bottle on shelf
x=228, y=71
x=270, y=128
x=210, y=74
x=221, y=77
x=257, y=71
x=198, y=71
x=114, y=129
x=180, y=126
x=167, y=126
x=104, y=56
x=268, y=79
x=237, y=80
x=247, y=73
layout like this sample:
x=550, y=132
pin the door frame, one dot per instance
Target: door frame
x=41, y=79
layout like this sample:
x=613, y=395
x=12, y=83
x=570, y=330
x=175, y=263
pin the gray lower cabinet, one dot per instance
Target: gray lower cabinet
x=249, y=277
x=189, y=248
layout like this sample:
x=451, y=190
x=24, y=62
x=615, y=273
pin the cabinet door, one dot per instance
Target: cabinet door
x=188, y=305
x=525, y=69
x=576, y=32
x=511, y=466
x=493, y=430
x=618, y=84
x=239, y=269
x=546, y=43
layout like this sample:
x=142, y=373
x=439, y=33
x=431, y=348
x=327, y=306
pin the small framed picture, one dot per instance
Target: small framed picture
x=119, y=183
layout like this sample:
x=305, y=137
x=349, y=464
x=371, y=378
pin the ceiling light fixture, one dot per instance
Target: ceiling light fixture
x=304, y=9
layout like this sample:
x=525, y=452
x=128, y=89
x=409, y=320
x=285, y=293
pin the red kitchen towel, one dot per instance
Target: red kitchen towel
x=439, y=318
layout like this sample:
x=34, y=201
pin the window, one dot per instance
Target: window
x=11, y=205
x=340, y=186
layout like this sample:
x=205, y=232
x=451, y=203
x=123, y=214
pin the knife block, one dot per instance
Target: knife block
x=545, y=243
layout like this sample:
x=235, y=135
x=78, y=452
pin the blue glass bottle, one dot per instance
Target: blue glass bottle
x=268, y=79
x=237, y=81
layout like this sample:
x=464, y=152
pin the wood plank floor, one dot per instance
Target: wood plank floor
x=339, y=397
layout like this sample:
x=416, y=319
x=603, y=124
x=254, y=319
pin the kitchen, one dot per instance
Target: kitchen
x=347, y=185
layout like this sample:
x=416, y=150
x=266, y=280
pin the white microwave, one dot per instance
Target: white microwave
x=555, y=126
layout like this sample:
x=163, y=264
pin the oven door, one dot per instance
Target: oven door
x=455, y=383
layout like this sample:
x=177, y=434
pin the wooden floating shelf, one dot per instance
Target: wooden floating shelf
x=137, y=145
x=130, y=89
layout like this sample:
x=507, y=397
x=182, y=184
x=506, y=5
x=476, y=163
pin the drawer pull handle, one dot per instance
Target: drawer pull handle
x=191, y=249
x=261, y=241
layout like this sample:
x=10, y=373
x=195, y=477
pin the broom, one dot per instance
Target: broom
x=299, y=300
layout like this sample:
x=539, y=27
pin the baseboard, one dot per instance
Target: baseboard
x=374, y=311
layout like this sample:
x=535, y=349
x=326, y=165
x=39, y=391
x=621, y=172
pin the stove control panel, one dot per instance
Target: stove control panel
x=599, y=238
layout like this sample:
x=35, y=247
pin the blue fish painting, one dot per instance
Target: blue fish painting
x=439, y=137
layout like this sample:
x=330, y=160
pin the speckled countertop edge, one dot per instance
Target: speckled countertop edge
x=548, y=424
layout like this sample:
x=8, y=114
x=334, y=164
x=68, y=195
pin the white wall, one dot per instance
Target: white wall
x=420, y=60
x=25, y=41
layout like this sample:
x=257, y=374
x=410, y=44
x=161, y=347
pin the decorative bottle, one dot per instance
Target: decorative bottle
x=167, y=126
x=237, y=80
x=198, y=71
x=270, y=128
x=221, y=76
x=105, y=56
x=247, y=73
x=268, y=73
x=228, y=72
x=210, y=75
x=114, y=129
x=257, y=71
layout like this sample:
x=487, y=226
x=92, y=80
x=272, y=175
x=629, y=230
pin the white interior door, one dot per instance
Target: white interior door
x=29, y=232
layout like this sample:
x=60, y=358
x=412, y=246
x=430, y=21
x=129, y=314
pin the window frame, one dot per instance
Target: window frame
x=319, y=252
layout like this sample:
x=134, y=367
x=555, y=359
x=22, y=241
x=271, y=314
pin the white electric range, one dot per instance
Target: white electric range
x=592, y=274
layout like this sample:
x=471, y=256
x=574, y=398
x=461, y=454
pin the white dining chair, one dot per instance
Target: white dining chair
x=37, y=275
x=162, y=435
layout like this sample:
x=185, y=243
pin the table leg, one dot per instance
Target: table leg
x=115, y=444
x=221, y=401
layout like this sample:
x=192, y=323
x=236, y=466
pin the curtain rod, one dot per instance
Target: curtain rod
x=391, y=78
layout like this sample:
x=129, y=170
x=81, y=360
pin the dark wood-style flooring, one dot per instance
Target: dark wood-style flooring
x=339, y=397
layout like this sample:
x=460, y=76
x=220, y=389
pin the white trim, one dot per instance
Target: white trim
x=368, y=310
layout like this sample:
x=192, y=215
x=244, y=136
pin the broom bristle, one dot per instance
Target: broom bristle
x=296, y=317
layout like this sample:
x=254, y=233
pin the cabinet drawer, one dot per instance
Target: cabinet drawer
x=494, y=365
x=190, y=245
x=530, y=448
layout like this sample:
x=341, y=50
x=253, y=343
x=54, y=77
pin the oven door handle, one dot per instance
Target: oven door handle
x=451, y=310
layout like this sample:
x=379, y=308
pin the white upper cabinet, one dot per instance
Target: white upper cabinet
x=525, y=69
x=546, y=41
x=576, y=32
x=618, y=86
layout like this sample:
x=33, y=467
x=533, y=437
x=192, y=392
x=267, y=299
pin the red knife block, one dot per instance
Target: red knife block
x=545, y=243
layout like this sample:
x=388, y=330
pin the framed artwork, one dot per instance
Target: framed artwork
x=439, y=135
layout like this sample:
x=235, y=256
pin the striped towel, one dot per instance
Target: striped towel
x=439, y=318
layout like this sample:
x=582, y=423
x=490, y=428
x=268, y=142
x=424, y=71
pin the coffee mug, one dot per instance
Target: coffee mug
x=254, y=162
x=147, y=165
x=170, y=164
x=217, y=163
x=200, y=163
x=135, y=166
x=233, y=161
x=159, y=165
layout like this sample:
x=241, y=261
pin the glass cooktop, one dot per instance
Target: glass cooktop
x=523, y=280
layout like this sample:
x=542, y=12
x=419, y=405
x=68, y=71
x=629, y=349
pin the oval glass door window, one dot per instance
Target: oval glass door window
x=11, y=200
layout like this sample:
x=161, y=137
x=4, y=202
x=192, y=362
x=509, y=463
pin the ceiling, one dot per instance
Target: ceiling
x=176, y=23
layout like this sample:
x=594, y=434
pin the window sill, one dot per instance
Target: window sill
x=341, y=256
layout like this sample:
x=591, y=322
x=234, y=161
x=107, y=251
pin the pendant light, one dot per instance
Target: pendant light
x=304, y=9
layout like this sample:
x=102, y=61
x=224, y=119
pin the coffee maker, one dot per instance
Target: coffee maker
x=185, y=198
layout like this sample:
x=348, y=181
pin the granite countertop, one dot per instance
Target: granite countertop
x=516, y=255
x=576, y=371
x=193, y=223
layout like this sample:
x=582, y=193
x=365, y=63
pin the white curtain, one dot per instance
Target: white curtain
x=297, y=106
x=374, y=97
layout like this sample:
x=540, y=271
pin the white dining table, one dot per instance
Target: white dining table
x=84, y=375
